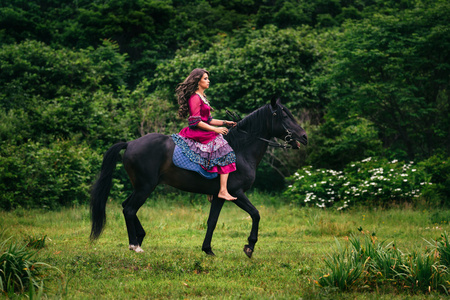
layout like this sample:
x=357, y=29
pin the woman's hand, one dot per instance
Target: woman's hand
x=229, y=123
x=221, y=130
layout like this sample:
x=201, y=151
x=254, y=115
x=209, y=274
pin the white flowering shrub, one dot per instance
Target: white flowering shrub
x=375, y=181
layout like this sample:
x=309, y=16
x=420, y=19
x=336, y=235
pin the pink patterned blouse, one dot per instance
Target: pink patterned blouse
x=207, y=148
x=198, y=111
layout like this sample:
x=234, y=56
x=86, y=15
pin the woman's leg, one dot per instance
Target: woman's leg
x=223, y=193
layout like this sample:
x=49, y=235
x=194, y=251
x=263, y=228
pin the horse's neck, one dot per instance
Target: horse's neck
x=254, y=151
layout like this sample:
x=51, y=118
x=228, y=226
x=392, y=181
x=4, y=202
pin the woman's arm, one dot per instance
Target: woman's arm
x=205, y=126
x=216, y=122
x=223, y=130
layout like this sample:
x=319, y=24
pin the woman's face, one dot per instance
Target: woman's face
x=204, y=82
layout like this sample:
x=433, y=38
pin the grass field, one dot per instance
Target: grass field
x=288, y=258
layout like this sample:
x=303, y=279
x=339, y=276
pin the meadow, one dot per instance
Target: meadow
x=288, y=259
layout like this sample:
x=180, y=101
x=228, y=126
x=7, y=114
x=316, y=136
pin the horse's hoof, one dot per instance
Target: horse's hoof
x=248, y=251
x=209, y=252
x=136, y=248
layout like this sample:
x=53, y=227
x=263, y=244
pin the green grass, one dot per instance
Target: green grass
x=288, y=258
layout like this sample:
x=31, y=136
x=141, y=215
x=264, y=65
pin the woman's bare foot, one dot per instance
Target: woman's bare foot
x=226, y=196
x=210, y=197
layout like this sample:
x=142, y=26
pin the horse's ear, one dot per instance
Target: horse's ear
x=275, y=101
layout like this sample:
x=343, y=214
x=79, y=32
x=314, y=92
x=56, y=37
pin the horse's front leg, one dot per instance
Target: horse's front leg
x=214, y=212
x=243, y=202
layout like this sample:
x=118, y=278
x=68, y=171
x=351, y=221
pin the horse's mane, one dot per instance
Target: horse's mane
x=248, y=128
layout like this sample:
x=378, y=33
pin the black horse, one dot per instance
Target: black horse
x=148, y=162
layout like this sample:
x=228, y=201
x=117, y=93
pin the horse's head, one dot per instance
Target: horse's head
x=284, y=125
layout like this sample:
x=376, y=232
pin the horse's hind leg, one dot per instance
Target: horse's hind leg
x=136, y=232
x=140, y=232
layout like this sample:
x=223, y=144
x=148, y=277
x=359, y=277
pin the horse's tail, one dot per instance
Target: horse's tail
x=100, y=190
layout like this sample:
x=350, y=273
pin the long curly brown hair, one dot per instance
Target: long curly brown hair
x=186, y=89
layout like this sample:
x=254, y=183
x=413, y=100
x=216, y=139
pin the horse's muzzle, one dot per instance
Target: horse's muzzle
x=295, y=143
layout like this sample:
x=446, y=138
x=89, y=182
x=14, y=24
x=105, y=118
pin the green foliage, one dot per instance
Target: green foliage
x=19, y=272
x=335, y=143
x=35, y=242
x=421, y=272
x=369, y=78
x=440, y=217
x=46, y=177
x=366, y=263
x=248, y=70
x=393, y=70
x=33, y=72
x=345, y=269
x=289, y=255
x=438, y=167
x=371, y=181
x=442, y=246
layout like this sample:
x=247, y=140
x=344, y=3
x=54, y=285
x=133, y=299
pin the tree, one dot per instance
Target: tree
x=249, y=69
x=394, y=71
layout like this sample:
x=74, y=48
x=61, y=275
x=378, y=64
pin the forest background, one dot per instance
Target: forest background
x=365, y=78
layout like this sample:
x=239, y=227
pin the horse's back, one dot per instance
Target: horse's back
x=147, y=156
x=149, y=142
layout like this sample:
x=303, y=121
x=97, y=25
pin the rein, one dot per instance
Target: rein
x=287, y=138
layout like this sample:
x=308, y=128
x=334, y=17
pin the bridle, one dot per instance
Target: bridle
x=287, y=139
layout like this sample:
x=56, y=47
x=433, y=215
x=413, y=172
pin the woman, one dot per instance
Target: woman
x=202, y=141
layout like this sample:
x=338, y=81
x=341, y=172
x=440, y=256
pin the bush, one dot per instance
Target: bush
x=335, y=143
x=46, y=177
x=19, y=273
x=438, y=168
x=375, y=181
x=366, y=263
